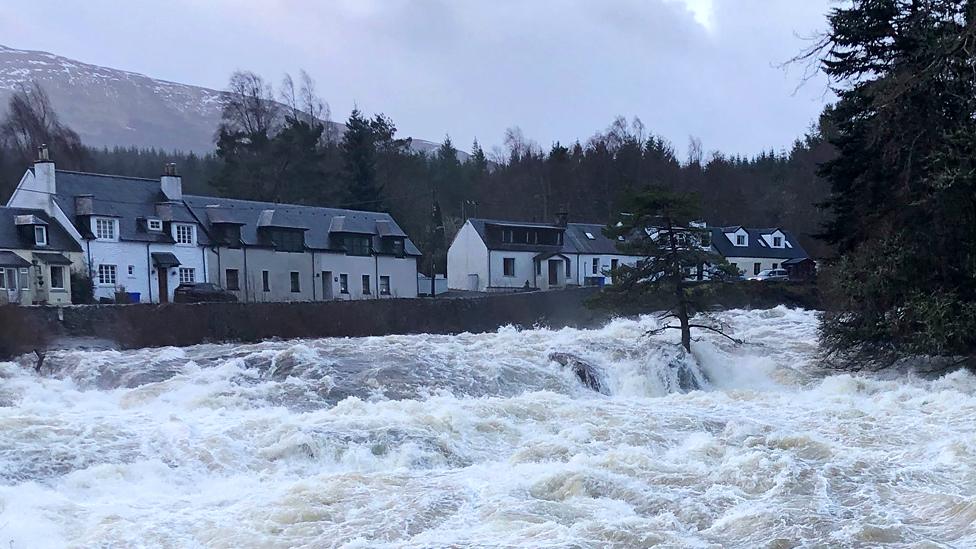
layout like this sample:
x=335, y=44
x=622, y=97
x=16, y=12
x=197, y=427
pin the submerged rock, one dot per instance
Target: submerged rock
x=586, y=372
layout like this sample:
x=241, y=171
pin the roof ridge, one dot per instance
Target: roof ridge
x=111, y=175
x=284, y=204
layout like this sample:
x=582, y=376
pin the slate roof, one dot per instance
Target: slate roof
x=10, y=259
x=319, y=223
x=755, y=249
x=57, y=238
x=127, y=198
x=575, y=240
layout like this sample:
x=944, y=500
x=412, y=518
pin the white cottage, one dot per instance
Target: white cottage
x=137, y=236
x=494, y=255
x=756, y=250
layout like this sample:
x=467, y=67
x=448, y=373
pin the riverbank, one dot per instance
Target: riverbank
x=145, y=325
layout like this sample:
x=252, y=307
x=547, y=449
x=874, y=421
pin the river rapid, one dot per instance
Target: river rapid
x=480, y=440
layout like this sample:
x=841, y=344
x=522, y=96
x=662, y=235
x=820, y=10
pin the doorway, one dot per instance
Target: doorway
x=554, y=268
x=327, y=285
x=162, y=275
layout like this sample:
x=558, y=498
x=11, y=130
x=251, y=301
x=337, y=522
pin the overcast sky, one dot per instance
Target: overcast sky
x=560, y=70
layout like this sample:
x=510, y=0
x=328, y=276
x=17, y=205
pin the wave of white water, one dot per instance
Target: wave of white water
x=481, y=440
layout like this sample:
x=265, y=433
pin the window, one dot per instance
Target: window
x=232, y=279
x=596, y=265
x=538, y=267
x=590, y=236
x=154, y=224
x=3, y=279
x=357, y=245
x=107, y=275
x=184, y=234
x=756, y=267
x=40, y=236
x=776, y=265
x=288, y=241
x=57, y=277
x=366, y=285
x=614, y=264
x=132, y=270
x=104, y=228
x=568, y=272
x=343, y=283
x=265, y=281
x=398, y=247
x=777, y=242
x=508, y=266
x=385, y=285
x=735, y=266
x=740, y=240
x=8, y=279
x=188, y=275
x=507, y=235
x=296, y=282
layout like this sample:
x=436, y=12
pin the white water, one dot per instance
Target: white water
x=480, y=440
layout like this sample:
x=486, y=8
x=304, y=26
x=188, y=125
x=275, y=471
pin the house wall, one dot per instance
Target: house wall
x=144, y=278
x=402, y=273
x=467, y=255
x=745, y=264
x=524, y=270
x=34, y=282
x=585, y=264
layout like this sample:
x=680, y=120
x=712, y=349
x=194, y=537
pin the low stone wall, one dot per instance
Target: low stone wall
x=23, y=329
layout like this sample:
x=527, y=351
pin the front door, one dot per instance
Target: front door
x=163, y=276
x=327, y=285
x=10, y=283
x=554, y=267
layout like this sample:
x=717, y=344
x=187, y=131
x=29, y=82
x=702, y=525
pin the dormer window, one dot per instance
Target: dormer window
x=154, y=225
x=183, y=234
x=777, y=241
x=104, y=228
x=740, y=240
x=357, y=245
x=40, y=235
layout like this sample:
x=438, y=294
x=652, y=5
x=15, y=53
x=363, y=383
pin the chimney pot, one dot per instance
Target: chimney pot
x=42, y=153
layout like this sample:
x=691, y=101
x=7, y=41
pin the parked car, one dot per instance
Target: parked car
x=771, y=275
x=202, y=292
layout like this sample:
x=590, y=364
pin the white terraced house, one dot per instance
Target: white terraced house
x=493, y=255
x=145, y=237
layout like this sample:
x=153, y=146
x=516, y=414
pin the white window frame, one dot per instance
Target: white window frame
x=191, y=279
x=51, y=275
x=505, y=261
x=42, y=231
x=343, y=283
x=740, y=240
x=777, y=241
x=155, y=225
x=596, y=265
x=265, y=281
x=384, y=285
x=190, y=234
x=367, y=284
x=106, y=229
x=107, y=275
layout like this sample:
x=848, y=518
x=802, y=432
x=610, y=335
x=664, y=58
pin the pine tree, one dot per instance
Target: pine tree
x=358, y=148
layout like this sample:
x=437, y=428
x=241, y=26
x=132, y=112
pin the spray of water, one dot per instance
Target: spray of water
x=482, y=440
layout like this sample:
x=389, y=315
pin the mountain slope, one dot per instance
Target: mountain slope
x=109, y=107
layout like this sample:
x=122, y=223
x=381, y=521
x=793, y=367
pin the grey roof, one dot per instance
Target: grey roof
x=12, y=238
x=164, y=259
x=10, y=259
x=575, y=240
x=725, y=247
x=52, y=258
x=127, y=198
x=317, y=221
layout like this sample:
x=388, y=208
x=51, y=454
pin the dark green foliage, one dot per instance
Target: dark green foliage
x=660, y=227
x=82, y=288
x=903, y=186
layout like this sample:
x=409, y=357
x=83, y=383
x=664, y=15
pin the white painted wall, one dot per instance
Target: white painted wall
x=746, y=264
x=605, y=261
x=524, y=270
x=467, y=255
x=144, y=278
x=280, y=265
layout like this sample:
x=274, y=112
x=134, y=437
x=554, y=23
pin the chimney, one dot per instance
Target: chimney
x=44, y=172
x=562, y=218
x=84, y=204
x=170, y=183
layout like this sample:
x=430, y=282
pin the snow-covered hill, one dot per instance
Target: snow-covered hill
x=110, y=107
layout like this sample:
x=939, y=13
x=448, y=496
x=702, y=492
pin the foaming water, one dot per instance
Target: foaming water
x=482, y=440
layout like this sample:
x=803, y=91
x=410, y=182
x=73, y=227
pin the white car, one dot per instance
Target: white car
x=771, y=274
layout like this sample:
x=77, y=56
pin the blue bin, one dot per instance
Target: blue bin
x=133, y=296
